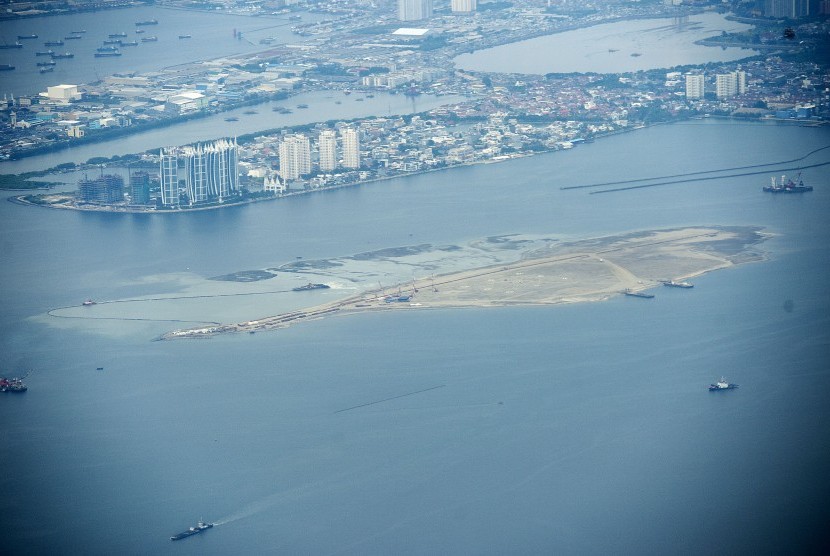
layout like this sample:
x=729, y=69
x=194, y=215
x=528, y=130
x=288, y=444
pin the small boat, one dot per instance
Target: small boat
x=139, y=31
x=88, y=302
x=232, y=119
x=184, y=36
x=722, y=385
x=673, y=284
x=195, y=530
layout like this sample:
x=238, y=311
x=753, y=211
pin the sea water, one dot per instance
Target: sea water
x=584, y=428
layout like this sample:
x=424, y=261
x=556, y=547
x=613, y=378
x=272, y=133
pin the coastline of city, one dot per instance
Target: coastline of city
x=528, y=348
x=495, y=104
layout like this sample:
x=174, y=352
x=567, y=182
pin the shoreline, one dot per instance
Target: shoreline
x=591, y=269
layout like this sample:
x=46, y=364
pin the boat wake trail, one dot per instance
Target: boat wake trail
x=250, y=510
x=285, y=498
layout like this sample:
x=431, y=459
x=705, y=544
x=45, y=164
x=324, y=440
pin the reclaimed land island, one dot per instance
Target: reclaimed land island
x=568, y=272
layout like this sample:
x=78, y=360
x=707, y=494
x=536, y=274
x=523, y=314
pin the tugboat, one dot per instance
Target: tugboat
x=311, y=286
x=195, y=530
x=14, y=385
x=787, y=185
x=722, y=385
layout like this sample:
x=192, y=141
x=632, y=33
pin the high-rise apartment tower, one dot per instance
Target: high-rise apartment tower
x=328, y=151
x=413, y=10
x=351, y=148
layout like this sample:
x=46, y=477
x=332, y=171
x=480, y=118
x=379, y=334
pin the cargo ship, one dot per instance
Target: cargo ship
x=46, y=70
x=72, y=37
x=107, y=49
x=13, y=385
x=11, y=45
x=129, y=43
x=24, y=37
x=195, y=530
x=787, y=185
x=148, y=22
x=638, y=294
x=184, y=36
x=149, y=39
x=44, y=52
x=117, y=35
x=673, y=284
x=62, y=55
x=6, y=67
x=311, y=286
x=107, y=54
x=53, y=43
x=49, y=63
x=722, y=385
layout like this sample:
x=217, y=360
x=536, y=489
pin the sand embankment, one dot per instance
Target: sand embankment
x=585, y=270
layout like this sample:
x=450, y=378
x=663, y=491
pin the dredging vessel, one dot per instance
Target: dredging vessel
x=788, y=185
x=311, y=286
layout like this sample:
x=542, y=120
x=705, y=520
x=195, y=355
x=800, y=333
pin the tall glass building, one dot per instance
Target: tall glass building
x=169, y=175
x=211, y=172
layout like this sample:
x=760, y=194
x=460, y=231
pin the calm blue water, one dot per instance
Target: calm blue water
x=211, y=37
x=575, y=429
x=625, y=46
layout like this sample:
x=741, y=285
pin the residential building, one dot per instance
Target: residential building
x=328, y=150
x=695, y=85
x=169, y=174
x=463, y=6
x=295, y=157
x=108, y=188
x=730, y=84
x=413, y=10
x=140, y=188
x=792, y=9
x=195, y=174
x=351, y=147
